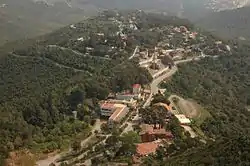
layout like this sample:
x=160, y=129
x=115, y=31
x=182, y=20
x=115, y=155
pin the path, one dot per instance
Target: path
x=132, y=56
x=79, y=53
x=54, y=62
x=190, y=130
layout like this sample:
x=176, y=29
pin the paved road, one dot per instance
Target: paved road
x=53, y=159
x=156, y=81
x=132, y=56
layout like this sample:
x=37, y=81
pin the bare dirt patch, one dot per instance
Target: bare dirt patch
x=20, y=158
x=191, y=109
x=188, y=108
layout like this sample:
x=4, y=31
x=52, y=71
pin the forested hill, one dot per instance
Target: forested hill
x=26, y=18
x=228, y=24
x=44, y=80
x=221, y=85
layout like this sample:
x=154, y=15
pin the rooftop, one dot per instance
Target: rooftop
x=147, y=148
x=146, y=128
x=119, y=105
x=183, y=119
x=107, y=106
x=136, y=86
x=117, y=113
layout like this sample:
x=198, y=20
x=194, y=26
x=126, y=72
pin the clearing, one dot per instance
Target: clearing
x=190, y=108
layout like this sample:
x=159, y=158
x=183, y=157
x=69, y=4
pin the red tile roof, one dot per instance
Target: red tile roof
x=107, y=106
x=117, y=113
x=147, y=148
x=136, y=86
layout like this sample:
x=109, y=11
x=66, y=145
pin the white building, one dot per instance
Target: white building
x=183, y=119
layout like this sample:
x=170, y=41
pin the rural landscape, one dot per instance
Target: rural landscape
x=124, y=87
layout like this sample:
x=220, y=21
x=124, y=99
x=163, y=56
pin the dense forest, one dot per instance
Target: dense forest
x=222, y=86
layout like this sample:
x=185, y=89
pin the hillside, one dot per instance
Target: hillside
x=222, y=87
x=192, y=9
x=228, y=24
x=43, y=80
x=25, y=18
x=28, y=18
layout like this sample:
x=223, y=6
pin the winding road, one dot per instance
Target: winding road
x=79, y=53
x=52, y=61
x=166, y=74
x=132, y=56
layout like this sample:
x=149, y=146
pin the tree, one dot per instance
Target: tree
x=160, y=153
x=128, y=141
x=174, y=126
x=18, y=142
x=95, y=161
x=63, y=164
x=111, y=140
x=159, y=98
x=76, y=145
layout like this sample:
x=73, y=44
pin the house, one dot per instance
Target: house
x=89, y=49
x=131, y=103
x=144, y=149
x=183, y=29
x=100, y=34
x=126, y=96
x=107, y=109
x=73, y=26
x=183, y=119
x=120, y=112
x=193, y=35
x=136, y=88
x=149, y=133
x=80, y=39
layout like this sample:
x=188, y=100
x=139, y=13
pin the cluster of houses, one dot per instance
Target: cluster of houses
x=117, y=107
x=153, y=136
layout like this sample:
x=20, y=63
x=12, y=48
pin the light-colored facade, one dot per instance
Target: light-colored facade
x=183, y=119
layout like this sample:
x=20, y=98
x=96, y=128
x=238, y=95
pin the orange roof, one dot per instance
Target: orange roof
x=164, y=105
x=147, y=148
x=136, y=86
x=107, y=106
x=117, y=113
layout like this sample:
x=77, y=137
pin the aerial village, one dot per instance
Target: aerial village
x=126, y=105
x=129, y=110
